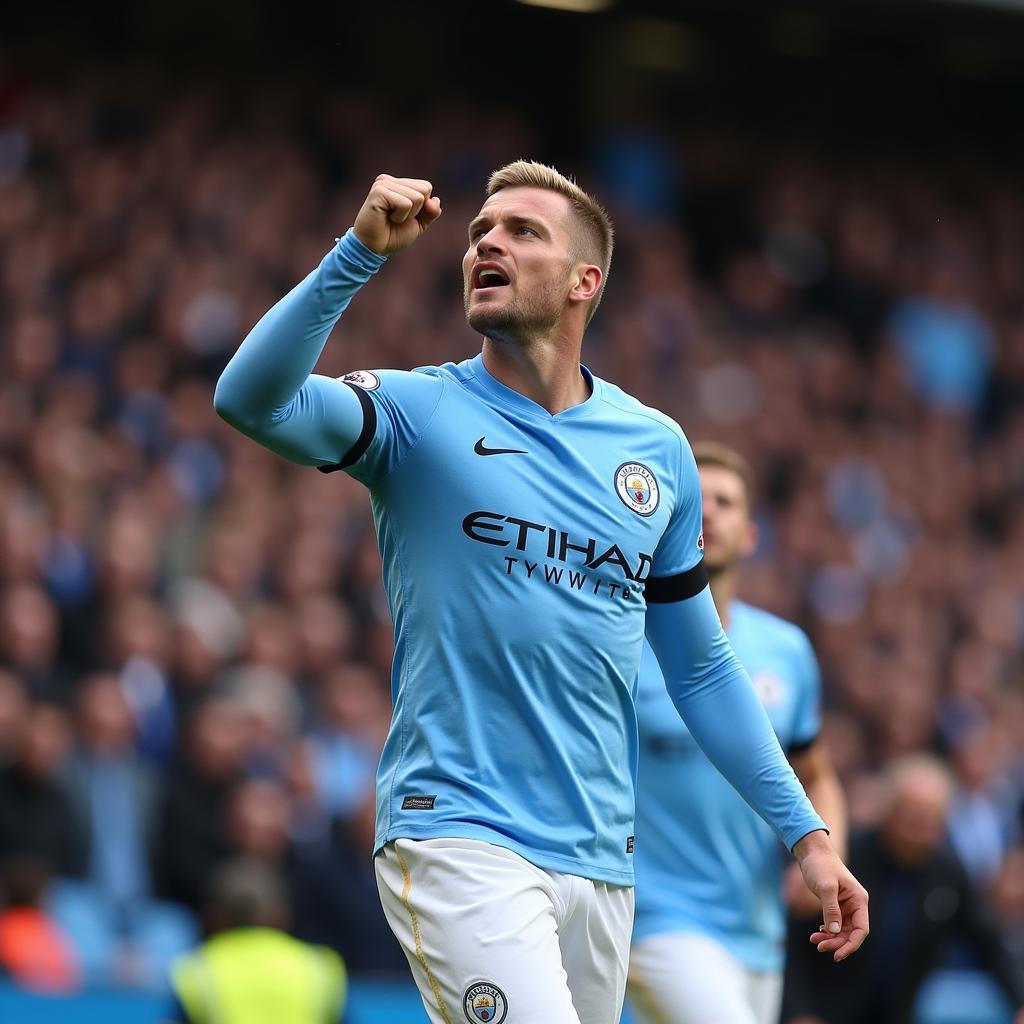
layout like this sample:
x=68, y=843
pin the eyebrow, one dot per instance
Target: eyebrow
x=515, y=219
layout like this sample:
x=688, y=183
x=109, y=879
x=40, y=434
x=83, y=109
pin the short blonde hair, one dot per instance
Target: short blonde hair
x=711, y=453
x=595, y=238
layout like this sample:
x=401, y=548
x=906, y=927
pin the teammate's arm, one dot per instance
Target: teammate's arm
x=814, y=769
x=268, y=389
x=713, y=694
x=817, y=775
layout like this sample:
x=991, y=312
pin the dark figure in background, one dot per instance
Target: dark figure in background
x=337, y=901
x=35, y=818
x=921, y=899
x=30, y=640
x=250, y=971
x=194, y=822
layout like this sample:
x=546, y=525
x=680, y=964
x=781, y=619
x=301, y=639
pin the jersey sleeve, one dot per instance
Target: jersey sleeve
x=678, y=571
x=807, y=723
x=714, y=696
x=397, y=407
x=268, y=389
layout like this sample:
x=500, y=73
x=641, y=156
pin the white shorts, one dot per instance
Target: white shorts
x=492, y=938
x=690, y=978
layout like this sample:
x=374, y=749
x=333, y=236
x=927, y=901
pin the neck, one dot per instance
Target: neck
x=724, y=584
x=545, y=370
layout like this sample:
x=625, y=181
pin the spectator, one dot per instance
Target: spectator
x=114, y=796
x=122, y=936
x=345, y=744
x=33, y=950
x=921, y=899
x=249, y=971
x=35, y=817
x=945, y=343
x=337, y=902
x=193, y=835
x=29, y=640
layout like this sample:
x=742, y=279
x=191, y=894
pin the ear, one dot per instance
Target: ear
x=749, y=545
x=586, y=282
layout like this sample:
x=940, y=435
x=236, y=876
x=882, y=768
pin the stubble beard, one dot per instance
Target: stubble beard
x=522, y=319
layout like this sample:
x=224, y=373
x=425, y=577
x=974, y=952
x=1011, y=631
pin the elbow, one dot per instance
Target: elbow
x=228, y=404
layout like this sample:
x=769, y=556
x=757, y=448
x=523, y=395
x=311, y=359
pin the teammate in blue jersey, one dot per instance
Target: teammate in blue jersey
x=531, y=518
x=709, y=931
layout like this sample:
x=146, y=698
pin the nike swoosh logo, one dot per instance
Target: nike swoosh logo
x=481, y=450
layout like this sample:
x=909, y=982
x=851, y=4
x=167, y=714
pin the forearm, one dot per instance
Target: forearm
x=827, y=798
x=713, y=694
x=277, y=357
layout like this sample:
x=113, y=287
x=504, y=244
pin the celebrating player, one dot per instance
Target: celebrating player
x=710, y=923
x=529, y=516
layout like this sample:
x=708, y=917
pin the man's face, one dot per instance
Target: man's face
x=916, y=822
x=518, y=270
x=728, y=532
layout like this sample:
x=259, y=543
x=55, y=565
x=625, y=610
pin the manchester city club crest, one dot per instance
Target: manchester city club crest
x=636, y=486
x=365, y=379
x=770, y=688
x=484, y=1003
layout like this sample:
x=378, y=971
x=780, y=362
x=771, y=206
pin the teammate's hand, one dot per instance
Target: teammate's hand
x=844, y=901
x=395, y=213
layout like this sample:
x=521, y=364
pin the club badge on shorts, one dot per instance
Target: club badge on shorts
x=484, y=1002
x=637, y=488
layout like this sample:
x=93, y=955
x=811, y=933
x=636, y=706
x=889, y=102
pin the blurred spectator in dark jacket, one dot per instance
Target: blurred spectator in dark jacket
x=35, y=814
x=921, y=900
x=193, y=817
x=30, y=640
x=337, y=902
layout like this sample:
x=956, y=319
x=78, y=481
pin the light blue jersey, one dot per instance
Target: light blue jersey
x=521, y=550
x=705, y=861
x=514, y=561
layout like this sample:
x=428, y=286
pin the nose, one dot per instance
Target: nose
x=490, y=242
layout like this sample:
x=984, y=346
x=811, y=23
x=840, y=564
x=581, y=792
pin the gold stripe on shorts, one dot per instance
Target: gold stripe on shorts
x=418, y=938
x=646, y=1001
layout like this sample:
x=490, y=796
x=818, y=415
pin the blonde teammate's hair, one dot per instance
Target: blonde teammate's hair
x=593, y=237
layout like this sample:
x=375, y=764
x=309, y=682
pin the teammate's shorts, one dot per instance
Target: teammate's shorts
x=492, y=938
x=690, y=978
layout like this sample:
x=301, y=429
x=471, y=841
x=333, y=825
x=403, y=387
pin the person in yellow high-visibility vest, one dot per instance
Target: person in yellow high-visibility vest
x=250, y=971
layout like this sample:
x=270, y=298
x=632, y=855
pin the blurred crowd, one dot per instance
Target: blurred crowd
x=194, y=642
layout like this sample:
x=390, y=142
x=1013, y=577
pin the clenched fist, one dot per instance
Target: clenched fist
x=396, y=212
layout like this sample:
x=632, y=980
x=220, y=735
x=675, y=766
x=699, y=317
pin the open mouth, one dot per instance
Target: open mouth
x=486, y=277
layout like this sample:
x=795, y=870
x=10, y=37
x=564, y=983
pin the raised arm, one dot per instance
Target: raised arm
x=268, y=390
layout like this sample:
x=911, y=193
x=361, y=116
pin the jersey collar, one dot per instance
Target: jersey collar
x=512, y=399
